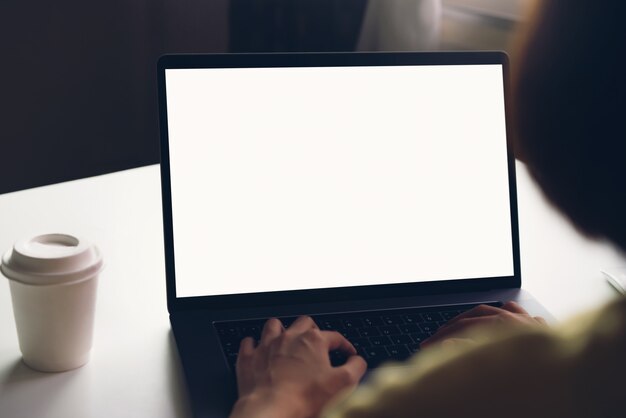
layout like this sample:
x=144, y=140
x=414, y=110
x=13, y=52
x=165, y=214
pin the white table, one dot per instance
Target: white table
x=134, y=370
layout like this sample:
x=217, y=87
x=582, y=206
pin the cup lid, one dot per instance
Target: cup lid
x=51, y=259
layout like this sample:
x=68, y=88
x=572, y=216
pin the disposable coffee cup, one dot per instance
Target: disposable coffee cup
x=53, y=280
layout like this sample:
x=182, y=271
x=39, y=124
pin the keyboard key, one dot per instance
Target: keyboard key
x=360, y=342
x=372, y=321
x=432, y=317
x=418, y=338
x=349, y=333
x=380, y=341
x=401, y=339
x=389, y=330
x=408, y=328
x=253, y=331
x=398, y=352
x=413, y=348
x=228, y=331
x=448, y=315
x=393, y=320
x=231, y=359
x=353, y=323
x=329, y=324
x=428, y=328
x=288, y=320
x=374, y=356
x=337, y=358
x=368, y=332
x=231, y=344
x=413, y=318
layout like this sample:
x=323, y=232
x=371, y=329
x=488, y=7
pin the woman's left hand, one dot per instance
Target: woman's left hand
x=511, y=314
x=289, y=373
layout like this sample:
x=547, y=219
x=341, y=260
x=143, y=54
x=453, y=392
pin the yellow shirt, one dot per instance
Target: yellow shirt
x=575, y=370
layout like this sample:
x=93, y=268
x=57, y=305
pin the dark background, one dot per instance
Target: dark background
x=79, y=78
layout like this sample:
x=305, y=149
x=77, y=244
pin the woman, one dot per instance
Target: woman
x=569, y=104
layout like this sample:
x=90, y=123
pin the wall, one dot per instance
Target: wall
x=79, y=82
x=78, y=78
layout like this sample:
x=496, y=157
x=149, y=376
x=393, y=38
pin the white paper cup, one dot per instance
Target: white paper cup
x=53, y=280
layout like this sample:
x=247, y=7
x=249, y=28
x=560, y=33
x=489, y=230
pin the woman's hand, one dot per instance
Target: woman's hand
x=511, y=314
x=289, y=373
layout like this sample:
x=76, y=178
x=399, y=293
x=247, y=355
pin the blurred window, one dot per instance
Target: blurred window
x=505, y=9
x=481, y=24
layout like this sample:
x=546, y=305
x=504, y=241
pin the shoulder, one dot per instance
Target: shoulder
x=572, y=370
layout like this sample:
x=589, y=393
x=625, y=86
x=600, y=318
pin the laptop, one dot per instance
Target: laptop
x=372, y=191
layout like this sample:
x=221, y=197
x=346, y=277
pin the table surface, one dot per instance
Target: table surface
x=134, y=369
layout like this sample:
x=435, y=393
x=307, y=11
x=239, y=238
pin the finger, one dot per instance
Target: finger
x=456, y=343
x=458, y=327
x=514, y=307
x=303, y=323
x=478, y=311
x=540, y=320
x=352, y=370
x=336, y=341
x=243, y=366
x=246, y=347
x=272, y=329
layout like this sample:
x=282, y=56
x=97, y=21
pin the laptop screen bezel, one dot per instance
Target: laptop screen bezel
x=291, y=297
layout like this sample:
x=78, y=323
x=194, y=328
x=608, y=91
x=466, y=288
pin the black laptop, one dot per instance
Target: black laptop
x=372, y=191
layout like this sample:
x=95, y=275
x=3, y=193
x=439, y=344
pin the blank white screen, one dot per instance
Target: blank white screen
x=303, y=178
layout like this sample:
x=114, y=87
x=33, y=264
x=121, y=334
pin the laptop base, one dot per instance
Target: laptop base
x=211, y=384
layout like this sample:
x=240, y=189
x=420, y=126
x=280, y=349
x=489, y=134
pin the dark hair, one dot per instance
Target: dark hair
x=569, y=108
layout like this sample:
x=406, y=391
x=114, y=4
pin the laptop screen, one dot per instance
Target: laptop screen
x=323, y=177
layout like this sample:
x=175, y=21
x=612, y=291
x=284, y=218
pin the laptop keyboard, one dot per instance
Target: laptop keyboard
x=378, y=336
